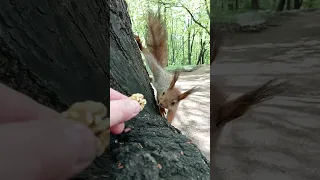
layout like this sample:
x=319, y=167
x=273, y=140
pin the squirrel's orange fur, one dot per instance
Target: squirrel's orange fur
x=156, y=55
x=157, y=39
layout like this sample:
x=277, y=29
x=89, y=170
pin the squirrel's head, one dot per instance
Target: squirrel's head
x=170, y=98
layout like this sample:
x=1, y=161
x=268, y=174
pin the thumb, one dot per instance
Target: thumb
x=123, y=110
x=45, y=149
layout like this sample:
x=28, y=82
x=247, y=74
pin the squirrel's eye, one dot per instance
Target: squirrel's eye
x=163, y=93
x=173, y=103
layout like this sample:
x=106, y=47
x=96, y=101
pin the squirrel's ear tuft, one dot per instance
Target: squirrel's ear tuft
x=187, y=93
x=174, y=79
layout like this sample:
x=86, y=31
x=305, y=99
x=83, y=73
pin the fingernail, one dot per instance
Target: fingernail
x=135, y=107
x=84, y=142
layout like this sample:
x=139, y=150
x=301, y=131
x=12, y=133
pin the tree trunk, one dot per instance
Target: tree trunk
x=57, y=53
x=189, y=42
x=165, y=15
x=212, y=34
x=203, y=56
x=274, y=4
x=237, y=5
x=172, y=50
x=280, y=5
x=201, y=52
x=297, y=4
x=152, y=149
x=288, y=4
x=183, y=49
x=173, y=55
x=191, y=46
x=255, y=4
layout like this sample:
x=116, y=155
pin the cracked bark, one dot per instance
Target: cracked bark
x=57, y=53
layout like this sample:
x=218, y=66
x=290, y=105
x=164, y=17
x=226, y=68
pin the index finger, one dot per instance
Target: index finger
x=115, y=95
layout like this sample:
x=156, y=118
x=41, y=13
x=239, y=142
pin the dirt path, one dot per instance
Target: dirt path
x=194, y=112
x=281, y=136
x=291, y=27
x=279, y=139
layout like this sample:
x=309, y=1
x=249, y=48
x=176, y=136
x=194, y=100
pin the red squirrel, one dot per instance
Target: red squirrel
x=156, y=55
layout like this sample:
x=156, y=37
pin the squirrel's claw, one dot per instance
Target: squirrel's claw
x=92, y=114
x=162, y=111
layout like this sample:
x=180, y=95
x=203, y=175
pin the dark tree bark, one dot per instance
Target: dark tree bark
x=57, y=53
x=255, y=4
x=203, y=55
x=153, y=149
x=201, y=52
x=280, y=5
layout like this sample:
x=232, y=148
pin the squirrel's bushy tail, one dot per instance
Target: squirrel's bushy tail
x=156, y=52
x=231, y=110
x=157, y=39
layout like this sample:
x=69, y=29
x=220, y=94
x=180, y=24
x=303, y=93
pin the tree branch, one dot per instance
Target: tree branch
x=194, y=20
x=190, y=13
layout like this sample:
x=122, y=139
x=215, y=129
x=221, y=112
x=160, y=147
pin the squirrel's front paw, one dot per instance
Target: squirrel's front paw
x=92, y=114
x=162, y=111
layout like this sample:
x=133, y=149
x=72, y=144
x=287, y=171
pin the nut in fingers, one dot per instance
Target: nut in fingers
x=140, y=99
x=102, y=142
x=92, y=114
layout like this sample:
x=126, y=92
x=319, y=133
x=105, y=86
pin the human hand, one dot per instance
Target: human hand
x=122, y=108
x=37, y=143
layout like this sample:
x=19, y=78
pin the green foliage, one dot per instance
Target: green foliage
x=182, y=27
x=311, y=4
x=179, y=23
x=224, y=14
